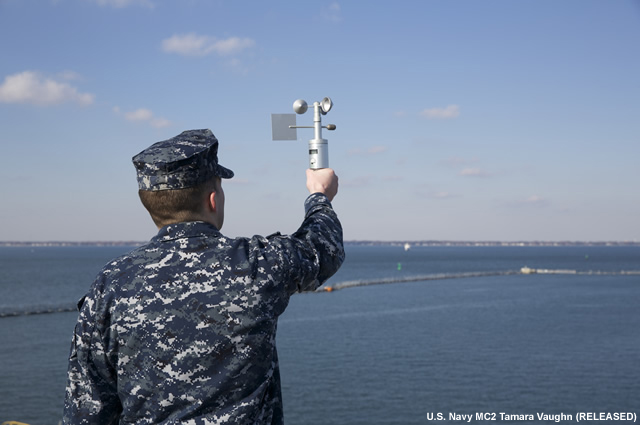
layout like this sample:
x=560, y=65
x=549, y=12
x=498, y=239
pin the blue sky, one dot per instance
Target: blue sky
x=466, y=120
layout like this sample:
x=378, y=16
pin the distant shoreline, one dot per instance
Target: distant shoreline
x=348, y=243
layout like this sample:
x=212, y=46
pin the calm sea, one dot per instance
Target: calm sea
x=457, y=333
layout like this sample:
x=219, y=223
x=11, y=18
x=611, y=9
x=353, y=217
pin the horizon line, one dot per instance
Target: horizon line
x=423, y=242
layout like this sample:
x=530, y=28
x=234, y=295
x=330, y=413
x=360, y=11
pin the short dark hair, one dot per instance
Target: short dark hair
x=175, y=206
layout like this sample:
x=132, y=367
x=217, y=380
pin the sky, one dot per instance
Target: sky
x=456, y=120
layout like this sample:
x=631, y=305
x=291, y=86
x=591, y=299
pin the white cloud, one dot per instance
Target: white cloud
x=467, y=167
x=376, y=149
x=139, y=115
x=237, y=66
x=119, y=4
x=70, y=76
x=332, y=13
x=32, y=88
x=456, y=161
x=442, y=194
x=427, y=191
x=475, y=172
x=160, y=122
x=451, y=111
x=535, y=200
x=202, y=45
x=144, y=115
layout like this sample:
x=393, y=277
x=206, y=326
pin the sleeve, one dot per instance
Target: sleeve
x=315, y=251
x=91, y=394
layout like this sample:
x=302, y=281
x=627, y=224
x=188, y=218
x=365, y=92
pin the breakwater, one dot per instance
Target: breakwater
x=462, y=275
x=39, y=309
x=70, y=307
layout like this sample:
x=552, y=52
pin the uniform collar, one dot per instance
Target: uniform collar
x=187, y=229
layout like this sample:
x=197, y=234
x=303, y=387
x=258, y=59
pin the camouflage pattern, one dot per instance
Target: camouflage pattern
x=182, y=329
x=183, y=161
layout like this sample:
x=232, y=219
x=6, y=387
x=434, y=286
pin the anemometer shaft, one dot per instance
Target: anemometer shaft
x=317, y=121
x=318, y=147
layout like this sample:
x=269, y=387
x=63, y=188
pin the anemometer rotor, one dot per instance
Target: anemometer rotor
x=283, y=127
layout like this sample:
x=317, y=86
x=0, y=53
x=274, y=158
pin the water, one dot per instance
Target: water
x=385, y=354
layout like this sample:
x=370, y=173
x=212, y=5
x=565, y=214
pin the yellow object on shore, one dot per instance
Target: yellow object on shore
x=13, y=423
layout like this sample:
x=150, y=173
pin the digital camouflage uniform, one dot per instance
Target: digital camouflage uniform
x=182, y=329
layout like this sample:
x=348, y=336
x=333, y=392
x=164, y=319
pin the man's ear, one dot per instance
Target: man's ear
x=211, y=202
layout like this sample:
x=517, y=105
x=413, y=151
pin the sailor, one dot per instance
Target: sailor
x=182, y=329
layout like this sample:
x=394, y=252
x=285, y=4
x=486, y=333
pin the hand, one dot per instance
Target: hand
x=324, y=181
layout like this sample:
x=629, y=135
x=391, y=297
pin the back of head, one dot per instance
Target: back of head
x=176, y=175
x=175, y=206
